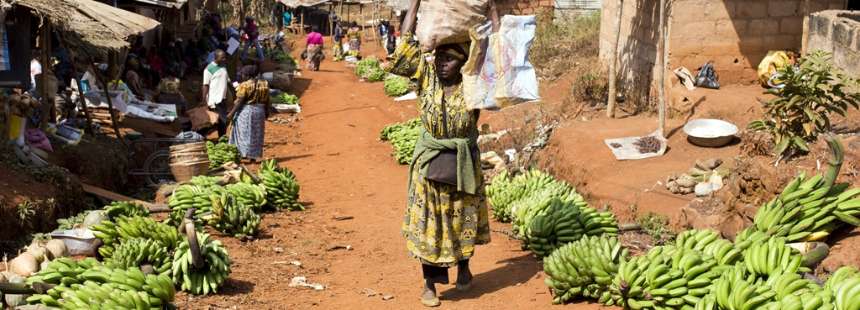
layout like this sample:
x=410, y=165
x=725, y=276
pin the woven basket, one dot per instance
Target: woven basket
x=188, y=153
x=184, y=171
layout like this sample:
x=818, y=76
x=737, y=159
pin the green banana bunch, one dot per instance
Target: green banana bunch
x=205, y=181
x=230, y=216
x=282, y=189
x=190, y=196
x=112, y=233
x=584, y=268
x=221, y=153
x=844, y=285
x=563, y=222
x=808, y=207
x=247, y=194
x=125, y=208
x=709, y=243
x=402, y=137
x=773, y=256
x=525, y=209
x=155, y=291
x=137, y=252
x=213, y=272
x=504, y=190
x=63, y=270
x=739, y=289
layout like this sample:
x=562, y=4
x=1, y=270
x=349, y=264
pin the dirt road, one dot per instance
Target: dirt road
x=345, y=171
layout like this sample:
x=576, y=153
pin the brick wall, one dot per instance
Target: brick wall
x=523, y=7
x=837, y=32
x=735, y=34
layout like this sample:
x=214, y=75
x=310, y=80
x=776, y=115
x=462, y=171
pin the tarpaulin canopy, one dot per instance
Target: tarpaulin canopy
x=91, y=27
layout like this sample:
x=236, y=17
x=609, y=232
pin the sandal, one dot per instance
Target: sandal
x=431, y=302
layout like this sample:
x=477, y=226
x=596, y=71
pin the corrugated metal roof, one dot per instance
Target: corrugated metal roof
x=578, y=4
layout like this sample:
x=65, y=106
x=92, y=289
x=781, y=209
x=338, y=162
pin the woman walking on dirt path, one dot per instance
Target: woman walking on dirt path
x=446, y=213
x=248, y=116
x=314, y=50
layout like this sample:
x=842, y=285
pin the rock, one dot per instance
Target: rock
x=709, y=164
x=716, y=182
x=703, y=189
x=387, y=297
x=685, y=180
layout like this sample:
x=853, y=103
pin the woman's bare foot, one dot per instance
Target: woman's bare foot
x=428, y=297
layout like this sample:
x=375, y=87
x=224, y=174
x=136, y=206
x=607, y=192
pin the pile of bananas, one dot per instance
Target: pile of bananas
x=709, y=243
x=281, y=186
x=212, y=272
x=771, y=257
x=248, y=194
x=110, y=289
x=63, y=270
x=584, y=268
x=221, y=153
x=844, y=284
x=232, y=217
x=504, y=190
x=564, y=221
x=190, y=196
x=402, y=137
x=808, y=209
x=112, y=233
x=138, y=252
x=125, y=208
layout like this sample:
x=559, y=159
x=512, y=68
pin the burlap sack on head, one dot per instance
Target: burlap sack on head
x=448, y=21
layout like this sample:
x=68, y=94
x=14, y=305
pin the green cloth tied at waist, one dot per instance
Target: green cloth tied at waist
x=427, y=147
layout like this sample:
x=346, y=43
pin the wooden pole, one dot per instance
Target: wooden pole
x=613, y=65
x=302, y=26
x=331, y=20
x=114, y=123
x=804, y=41
x=45, y=43
x=661, y=73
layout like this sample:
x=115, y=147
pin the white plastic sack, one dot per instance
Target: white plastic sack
x=443, y=22
x=498, y=73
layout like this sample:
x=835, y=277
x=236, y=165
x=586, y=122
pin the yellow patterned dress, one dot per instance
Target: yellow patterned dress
x=441, y=225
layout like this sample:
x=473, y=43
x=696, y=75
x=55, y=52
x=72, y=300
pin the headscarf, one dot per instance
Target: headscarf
x=457, y=50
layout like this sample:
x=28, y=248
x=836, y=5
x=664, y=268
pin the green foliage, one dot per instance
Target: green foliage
x=564, y=43
x=402, y=137
x=655, y=225
x=286, y=98
x=396, y=86
x=369, y=69
x=801, y=110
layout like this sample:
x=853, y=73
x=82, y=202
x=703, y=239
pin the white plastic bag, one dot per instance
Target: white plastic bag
x=498, y=73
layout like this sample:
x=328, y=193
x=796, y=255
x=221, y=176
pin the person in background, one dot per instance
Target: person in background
x=337, y=37
x=132, y=76
x=248, y=116
x=287, y=19
x=35, y=69
x=384, y=29
x=169, y=90
x=215, y=84
x=252, y=34
x=354, y=36
x=446, y=217
x=314, y=49
x=391, y=42
x=156, y=65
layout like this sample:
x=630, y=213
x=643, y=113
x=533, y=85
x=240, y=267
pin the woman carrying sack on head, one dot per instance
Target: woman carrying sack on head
x=249, y=113
x=446, y=213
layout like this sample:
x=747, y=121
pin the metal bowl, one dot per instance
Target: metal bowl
x=710, y=132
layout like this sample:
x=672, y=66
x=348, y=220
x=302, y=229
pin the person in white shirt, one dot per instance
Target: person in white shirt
x=35, y=69
x=215, y=83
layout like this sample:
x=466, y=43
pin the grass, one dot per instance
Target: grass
x=656, y=226
x=564, y=43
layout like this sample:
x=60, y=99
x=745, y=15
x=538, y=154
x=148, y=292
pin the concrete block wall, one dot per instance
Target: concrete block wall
x=734, y=34
x=837, y=32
